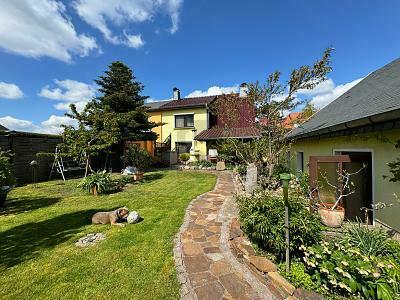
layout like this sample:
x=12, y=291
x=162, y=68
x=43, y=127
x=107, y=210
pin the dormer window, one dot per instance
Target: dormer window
x=184, y=121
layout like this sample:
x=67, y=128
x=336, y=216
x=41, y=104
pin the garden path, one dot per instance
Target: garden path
x=206, y=267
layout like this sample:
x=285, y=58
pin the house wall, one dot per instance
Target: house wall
x=156, y=117
x=383, y=153
x=186, y=134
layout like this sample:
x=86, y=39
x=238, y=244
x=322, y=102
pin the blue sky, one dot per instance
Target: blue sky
x=51, y=51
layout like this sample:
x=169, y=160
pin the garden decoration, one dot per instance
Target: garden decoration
x=34, y=164
x=332, y=214
x=285, y=184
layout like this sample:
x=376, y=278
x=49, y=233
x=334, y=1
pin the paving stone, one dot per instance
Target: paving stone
x=233, y=285
x=196, y=264
x=212, y=291
x=220, y=268
x=191, y=249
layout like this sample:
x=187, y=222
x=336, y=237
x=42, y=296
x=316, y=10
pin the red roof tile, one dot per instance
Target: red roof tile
x=216, y=133
x=187, y=102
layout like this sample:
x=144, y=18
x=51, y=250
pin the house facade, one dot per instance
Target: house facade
x=189, y=125
x=357, y=133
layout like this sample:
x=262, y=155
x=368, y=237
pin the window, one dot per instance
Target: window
x=300, y=161
x=182, y=121
x=183, y=147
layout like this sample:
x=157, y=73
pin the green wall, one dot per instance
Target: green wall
x=382, y=153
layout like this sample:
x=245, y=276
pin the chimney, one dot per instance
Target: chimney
x=243, y=90
x=177, y=93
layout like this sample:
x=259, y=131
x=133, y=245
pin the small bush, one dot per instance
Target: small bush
x=101, y=181
x=241, y=170
x=345, y=270
x=393, y=249
x=263, y=219
x=184, y=157
x=6, y=174
x=137, y=157
x=370, y=241
x=202, y=163
x=299, y=277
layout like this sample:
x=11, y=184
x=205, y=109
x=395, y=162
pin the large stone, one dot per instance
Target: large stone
x=90, y=239
x=307, y=295
x=251, y=178
x=220, y=166
x=280, y=282
x=263, y=264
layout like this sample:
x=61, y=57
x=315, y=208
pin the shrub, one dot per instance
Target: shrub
x=98, y=182
x=393, y=249
x=370, y=241
x=298, y=276
x=241, y=169
x=184, y=157
x=263, y=219
x=202, y=163
x=6, y=174
x=137, y=157
x=345, y=270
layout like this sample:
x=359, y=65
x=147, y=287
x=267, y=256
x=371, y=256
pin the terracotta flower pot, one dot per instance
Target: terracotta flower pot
x=138, y=176
x=331, y=218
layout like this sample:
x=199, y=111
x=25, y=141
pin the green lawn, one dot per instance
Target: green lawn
x=38, y=258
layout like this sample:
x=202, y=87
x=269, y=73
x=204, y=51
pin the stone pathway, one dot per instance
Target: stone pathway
x=206, y=267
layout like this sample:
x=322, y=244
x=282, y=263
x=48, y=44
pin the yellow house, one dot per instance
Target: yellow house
x=183, y=119
x=361, y=127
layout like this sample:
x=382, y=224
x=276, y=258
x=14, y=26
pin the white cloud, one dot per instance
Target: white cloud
x=326, y=92
x=69, y=91
x=52, y=125
x=322, y=88
x=214, y=90
x=17, y=124
x=10, y=91
x=120, y=13
x=133, y=41
x=41, y=28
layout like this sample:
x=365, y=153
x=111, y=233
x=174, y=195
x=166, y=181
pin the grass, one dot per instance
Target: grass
x=38, y=258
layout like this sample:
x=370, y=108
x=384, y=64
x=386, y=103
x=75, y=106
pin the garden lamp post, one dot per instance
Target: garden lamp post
x=34, y=164
x=285, y=184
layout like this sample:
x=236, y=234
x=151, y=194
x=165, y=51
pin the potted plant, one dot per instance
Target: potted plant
x=332, y=214
x=96, y=183
x=7, y=179
x=184, y=157
x=139, y=158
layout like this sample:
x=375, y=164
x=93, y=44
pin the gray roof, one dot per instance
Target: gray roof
x=375, y=98
x=2, y=128
x=156, y=104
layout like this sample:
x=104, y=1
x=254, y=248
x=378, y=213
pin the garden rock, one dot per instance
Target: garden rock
x=262, y=264
x=220, y=166
x=90, y=239
x=213, y=168
x=307, y=295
